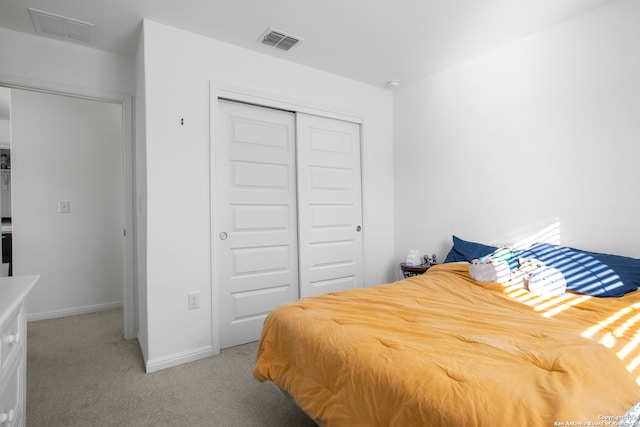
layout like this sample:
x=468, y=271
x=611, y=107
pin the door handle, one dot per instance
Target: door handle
x=223, y=236
x=358, y=228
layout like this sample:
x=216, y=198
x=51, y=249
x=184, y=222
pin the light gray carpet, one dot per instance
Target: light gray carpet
x=81, y=372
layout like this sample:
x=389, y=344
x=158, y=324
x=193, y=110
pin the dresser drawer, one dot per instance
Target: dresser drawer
x=11, y=398
x=11, y=337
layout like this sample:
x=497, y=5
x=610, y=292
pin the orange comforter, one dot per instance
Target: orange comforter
x=444, y=350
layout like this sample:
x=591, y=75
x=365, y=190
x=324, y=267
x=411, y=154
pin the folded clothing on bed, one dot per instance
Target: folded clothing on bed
x=588, y=273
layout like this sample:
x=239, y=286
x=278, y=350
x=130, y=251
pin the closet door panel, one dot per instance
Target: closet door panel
x=257, y=229
x=329, y=205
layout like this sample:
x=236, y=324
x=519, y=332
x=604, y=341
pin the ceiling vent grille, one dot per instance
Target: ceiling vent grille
x=60, y=27
x=279, y=39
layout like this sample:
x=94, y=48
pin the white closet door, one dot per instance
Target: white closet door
x=329, y=205
x=257, y=230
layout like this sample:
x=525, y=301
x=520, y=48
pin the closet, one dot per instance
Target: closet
x=288, y=217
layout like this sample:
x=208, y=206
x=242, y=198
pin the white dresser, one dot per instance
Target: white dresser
x=13, y=348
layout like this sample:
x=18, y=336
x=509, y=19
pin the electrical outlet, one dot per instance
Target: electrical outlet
x=194, y=300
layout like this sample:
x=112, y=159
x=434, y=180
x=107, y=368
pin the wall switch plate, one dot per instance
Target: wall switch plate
x=63, y=206
x=194, y=300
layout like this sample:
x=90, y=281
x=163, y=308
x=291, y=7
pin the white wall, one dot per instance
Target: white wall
x=178, y=67
x=5, y=132
x=67, y=148
x=45, y=63
x=141, y=196
x=539, y=135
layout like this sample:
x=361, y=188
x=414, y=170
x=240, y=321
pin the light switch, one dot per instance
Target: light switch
x=63, y=206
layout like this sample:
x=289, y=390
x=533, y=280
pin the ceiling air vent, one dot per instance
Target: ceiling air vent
x=279, y=39
x=60, y=27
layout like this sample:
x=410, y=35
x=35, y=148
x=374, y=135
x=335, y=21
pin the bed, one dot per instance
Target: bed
x=443, y=349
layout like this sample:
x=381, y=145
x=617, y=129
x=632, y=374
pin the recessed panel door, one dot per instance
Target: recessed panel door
x=329, y=203
x=257, y=228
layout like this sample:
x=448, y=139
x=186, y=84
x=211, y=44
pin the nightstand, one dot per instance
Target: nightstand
x=413, y=270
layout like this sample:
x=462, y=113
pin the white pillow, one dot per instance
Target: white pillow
x=547, y=281
x=490, y=270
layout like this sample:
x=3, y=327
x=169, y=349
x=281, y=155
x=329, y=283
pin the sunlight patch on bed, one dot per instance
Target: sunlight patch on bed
x=619, y=332
x=604, y=323
x=549, y=306
x=634, y=364
x=619, y=323
x=563, y=305
x=633, y=344
x=633, y=320
x=625, y=321
x=608, y=340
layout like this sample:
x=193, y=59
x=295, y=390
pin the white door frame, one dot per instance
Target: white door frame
x=129, y=284
x=255, y=97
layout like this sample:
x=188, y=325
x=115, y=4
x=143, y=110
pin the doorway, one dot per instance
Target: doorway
x=69, y=188
x=5, y=182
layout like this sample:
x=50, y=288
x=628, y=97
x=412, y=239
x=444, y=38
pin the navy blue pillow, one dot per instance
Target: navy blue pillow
x=467, y=251
x=589, y=273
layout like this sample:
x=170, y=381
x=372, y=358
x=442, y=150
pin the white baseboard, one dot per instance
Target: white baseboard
x=176, y=359
x=73, y=311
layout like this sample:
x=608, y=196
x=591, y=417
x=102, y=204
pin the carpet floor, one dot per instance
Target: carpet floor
x=82, y=372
